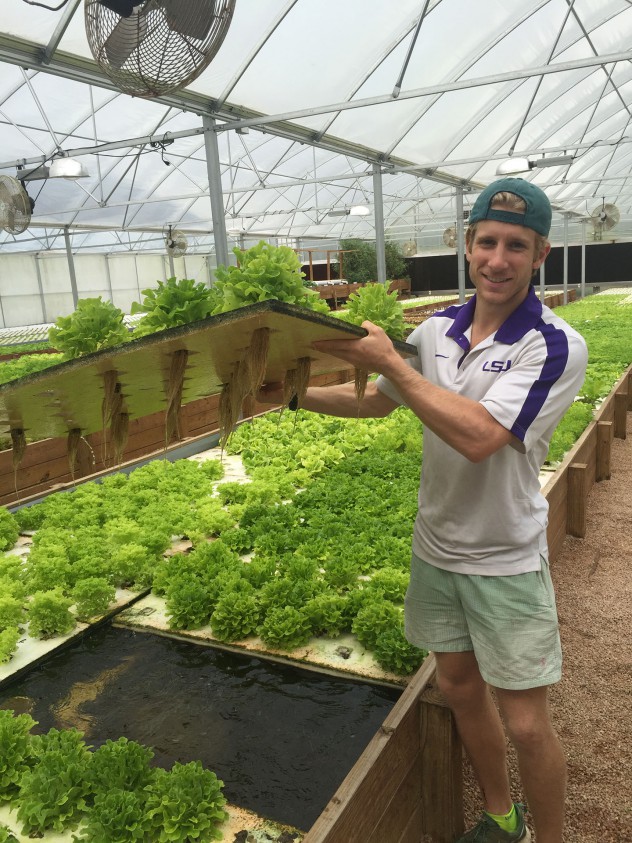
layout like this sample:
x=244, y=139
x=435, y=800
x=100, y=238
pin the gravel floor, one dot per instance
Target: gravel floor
x=592, y=705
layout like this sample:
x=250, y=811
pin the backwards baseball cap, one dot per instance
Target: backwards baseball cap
x=538, y=213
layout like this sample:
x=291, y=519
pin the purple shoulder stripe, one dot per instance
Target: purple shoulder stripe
x=554, y=366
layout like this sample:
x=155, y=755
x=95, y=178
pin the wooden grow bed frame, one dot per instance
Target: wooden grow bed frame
x=406, y=787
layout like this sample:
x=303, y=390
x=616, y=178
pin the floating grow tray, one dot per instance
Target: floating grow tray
x=69, y=397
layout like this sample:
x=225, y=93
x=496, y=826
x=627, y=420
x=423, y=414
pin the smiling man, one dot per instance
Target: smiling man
x=490, y=383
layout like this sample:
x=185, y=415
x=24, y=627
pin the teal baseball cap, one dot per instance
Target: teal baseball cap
x=537, y=216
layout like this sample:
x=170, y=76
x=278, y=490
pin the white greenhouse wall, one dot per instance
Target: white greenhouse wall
x=35, y=289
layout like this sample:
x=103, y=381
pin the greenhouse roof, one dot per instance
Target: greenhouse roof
x=316, y=105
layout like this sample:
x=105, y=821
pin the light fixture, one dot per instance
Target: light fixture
x=39, y=173
x=67, y=168
x=354, y=210
x=525, y=165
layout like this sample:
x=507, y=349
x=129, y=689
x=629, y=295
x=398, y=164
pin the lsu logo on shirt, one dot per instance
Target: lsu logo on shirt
x=497, y=366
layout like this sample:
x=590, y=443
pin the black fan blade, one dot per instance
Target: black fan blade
x=124, y=8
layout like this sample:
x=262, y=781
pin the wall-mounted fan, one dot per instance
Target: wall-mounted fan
x=175, y=241
x=153, y=47
x=16, y=206
x=603, y=218
x=449, y=237
x=409, y=249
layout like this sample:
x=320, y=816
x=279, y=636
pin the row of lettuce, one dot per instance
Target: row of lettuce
x=110, y=795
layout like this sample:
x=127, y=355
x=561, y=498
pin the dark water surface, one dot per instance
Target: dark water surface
x=281, y=739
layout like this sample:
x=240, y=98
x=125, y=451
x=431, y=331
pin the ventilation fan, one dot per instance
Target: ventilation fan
x=409, y=248
x=175, y=242
x=16, y=206
x=603, y=218
x=153, y=47
x=449, y=237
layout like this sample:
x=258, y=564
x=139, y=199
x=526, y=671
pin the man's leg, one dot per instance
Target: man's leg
x=540, y=758
x=479, y=726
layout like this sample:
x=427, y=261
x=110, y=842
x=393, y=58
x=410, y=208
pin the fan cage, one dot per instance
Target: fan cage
x=15, y=206
x=161, y=47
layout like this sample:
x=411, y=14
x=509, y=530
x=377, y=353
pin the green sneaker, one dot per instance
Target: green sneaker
x=487, y=831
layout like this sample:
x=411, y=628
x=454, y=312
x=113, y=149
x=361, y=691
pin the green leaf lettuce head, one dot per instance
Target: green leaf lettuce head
x=15, y=750
x=172, y=303
x=186, y=804
x=374, y=303
x=94, y=325
x=264, y=272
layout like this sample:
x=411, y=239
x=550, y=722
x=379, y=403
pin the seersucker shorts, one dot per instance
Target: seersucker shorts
x=509, y=622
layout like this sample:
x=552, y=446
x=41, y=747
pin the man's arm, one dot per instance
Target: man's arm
x=338, y=400
x=461, y=422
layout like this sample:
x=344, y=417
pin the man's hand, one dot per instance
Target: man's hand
x=374, y=353
x=270, y=393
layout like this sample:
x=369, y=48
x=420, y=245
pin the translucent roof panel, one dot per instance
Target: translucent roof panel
x=312, y=101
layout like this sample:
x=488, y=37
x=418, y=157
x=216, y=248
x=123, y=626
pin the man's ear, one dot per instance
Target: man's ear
x=537, y=263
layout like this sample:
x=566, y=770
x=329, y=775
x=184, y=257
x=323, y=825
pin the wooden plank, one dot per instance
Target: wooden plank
x=577, y=494
x=402, y=807
x=556, y=493
x=442, y=774
x=605, y=432
x=620, y=414
x=361, y=801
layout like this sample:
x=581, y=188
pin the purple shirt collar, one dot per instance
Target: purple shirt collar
x=523, y=319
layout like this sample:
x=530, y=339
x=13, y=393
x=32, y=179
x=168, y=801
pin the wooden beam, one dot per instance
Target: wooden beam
x=604, y=447
x=620, y=414
x=577, y=493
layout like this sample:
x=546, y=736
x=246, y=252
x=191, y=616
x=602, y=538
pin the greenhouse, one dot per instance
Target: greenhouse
x=206, y=604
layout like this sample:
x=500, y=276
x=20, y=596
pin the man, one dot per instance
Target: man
x=491, y=381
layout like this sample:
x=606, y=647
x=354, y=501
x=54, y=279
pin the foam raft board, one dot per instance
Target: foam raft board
x=32, y=651
x=343, y=655
x=257, y=829
x=70, y=396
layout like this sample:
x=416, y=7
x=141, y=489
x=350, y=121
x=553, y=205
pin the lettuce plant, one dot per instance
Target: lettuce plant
x=49, y=614
x=285, y=628
x=9, y=639
x=11, y=612
x=8, y=529
x=6, y=835
x=186, y=804
x=393, y=652
x=95, y=324
x=375, y=617
x=264, y=272
x=120, y=765
x=92, y=597
x=15, y=750
x=54, y=791
x=188, y=603
x=117, y=816
x=326, y=614
x=173, y=302
x=236, y=616
x=374, y=303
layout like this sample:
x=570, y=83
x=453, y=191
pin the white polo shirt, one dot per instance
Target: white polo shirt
x=490, y=517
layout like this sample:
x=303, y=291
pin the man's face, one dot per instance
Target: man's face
x=503, y=258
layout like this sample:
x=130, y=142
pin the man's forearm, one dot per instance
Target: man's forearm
x=341, y=400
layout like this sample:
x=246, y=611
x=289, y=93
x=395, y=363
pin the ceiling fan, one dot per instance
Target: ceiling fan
x=603, y=218
x=16, y=206
x=152, y=47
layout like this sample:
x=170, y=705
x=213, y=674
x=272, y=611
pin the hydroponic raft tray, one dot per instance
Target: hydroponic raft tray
x=70, y=396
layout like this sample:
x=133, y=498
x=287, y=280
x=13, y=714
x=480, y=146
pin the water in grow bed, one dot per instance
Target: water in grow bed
x=282, y=739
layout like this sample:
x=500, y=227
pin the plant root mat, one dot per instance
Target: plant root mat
x=70, y=396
